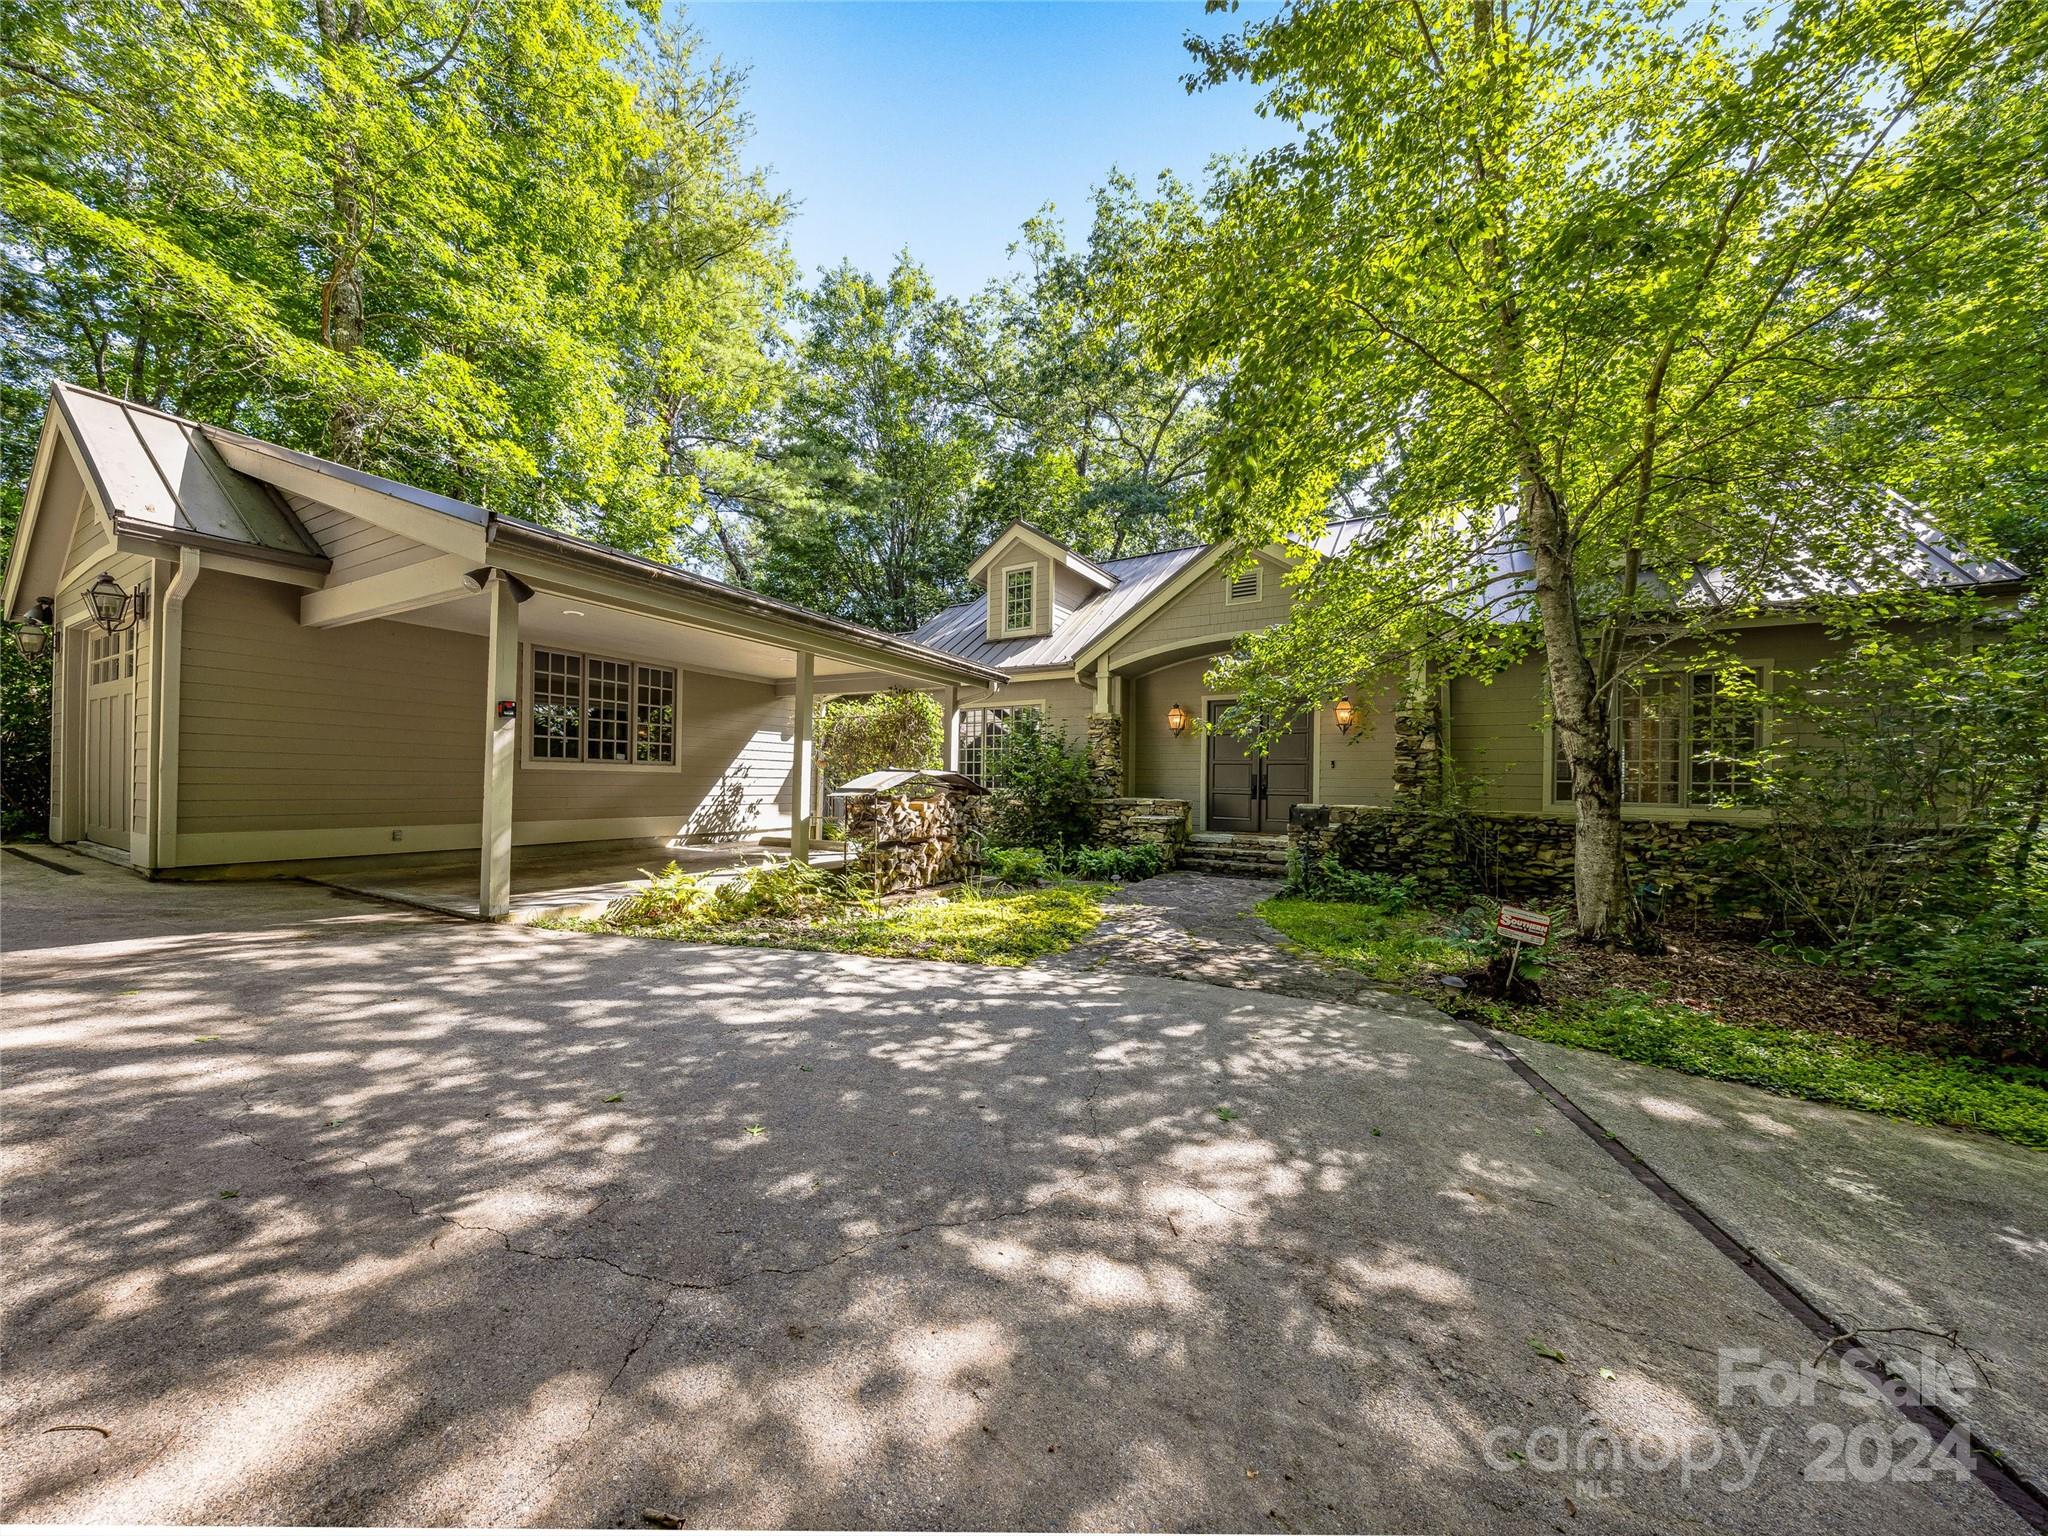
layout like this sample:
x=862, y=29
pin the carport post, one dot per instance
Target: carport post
x=501, y=745
x=949, y=701
x=801, y=766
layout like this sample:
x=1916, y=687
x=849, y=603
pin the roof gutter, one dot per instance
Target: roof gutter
x=544, y=541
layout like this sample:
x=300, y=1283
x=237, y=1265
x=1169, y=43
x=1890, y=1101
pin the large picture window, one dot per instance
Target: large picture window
x=1687, y=739
x=981, y=737
x=599, y=709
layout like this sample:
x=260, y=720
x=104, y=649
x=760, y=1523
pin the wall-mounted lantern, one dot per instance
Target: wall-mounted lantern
x=31, y=638
x=114, y=608
x=1176, y=720
x=1346, y=716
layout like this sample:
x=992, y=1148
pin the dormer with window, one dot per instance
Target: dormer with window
x=1033, y=582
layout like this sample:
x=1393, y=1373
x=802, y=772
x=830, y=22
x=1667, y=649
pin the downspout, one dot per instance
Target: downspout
x=163, y=796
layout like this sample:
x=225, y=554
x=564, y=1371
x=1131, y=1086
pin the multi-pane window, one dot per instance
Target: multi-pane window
x=1687, y=739
x=1018, y=604
x=598, y=709
x=981, y=737
x=109, y=658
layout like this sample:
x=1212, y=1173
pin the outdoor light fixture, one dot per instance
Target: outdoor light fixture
x=1346, y=716
x=1176, y=719
x=31, y=638
x=479, y=578
x=115, y=609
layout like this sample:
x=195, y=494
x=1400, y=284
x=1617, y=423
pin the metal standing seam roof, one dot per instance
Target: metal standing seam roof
x=161, y=471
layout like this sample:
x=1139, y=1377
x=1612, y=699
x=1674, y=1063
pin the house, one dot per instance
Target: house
x=1115, y=653
x=261, y=656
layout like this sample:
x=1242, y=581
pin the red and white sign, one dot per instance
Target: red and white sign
x=1522, y=925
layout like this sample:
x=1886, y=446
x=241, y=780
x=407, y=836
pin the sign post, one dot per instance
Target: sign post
x=1521, y=926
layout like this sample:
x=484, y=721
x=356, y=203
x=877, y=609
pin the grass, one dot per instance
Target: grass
x=1393, y=948
x=1408, y=947
x=1013, y=928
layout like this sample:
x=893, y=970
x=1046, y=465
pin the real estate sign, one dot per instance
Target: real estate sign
x=1522, y=925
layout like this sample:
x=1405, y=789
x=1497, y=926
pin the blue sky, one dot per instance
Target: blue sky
x=943, y=125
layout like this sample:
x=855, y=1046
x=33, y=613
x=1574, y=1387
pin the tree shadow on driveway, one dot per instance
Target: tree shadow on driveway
x=330, y=1214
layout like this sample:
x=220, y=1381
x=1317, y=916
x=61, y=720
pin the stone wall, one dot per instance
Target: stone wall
x=1672, y=864
x=1123, y=821
x=1106, y=754
x=908, y=842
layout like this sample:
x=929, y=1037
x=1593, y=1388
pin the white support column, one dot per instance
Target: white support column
x=1105, y=695
x=501, y=747
x=801, y=766
x=949, y=753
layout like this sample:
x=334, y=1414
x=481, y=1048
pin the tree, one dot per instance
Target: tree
x=880, y=730
x=881, y=449
x=1097, y=443
x=1652, y=307
x=492, y=247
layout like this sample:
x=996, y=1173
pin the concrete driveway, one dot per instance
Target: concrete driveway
x=321, y=1212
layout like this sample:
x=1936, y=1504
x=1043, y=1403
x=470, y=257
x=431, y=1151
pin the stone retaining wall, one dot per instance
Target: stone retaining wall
x=1123, y=821
x=1519, y=858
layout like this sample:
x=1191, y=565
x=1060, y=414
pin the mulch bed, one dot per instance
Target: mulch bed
x=1731, y=978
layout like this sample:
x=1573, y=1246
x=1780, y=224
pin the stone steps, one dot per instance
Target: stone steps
x=1253, y=858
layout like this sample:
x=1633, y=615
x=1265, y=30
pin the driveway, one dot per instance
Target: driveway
x=324, y=1212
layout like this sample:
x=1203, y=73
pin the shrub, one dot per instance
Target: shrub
x=1140, y=861
x=784, y=888
x=1045, y=798
x=883, y=730
x=1983, y=975
x=1017, y=866
x=1328, y=880
x=669, y=897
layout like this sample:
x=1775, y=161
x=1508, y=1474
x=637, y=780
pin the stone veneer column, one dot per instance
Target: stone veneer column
x=1106, y=754
x=1418, y=742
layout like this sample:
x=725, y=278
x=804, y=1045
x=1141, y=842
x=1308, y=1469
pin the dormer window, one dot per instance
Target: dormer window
x=1019, y=599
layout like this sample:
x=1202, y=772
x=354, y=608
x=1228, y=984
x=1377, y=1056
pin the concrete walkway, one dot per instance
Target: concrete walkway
x=323, y=1212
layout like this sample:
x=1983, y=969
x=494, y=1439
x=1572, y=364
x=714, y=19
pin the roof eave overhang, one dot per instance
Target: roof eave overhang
x=1046, y=545
x=698, y=600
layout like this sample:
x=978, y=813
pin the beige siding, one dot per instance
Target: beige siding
x=1161, y=763
x=1358, y=769
x=1069, y=591
x=734, y=751
x=1200, y=614
x=1016, y=552
x=1066, y=704
x=356, y=547
x=283, y=727
x=1495, y=738
x=92, y=538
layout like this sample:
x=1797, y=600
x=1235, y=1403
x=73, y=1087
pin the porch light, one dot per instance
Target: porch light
x=113, y=608
x=1176, y=719
x=1346, y=716
x=31, y=638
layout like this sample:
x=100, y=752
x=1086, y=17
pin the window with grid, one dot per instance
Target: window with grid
x=981, y=737
x=1687, y=739
x=1018, y=606
x=654, y=715
x=557, y=703
x=599, y=709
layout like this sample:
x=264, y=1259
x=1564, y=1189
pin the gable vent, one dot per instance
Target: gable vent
x=1244, y=586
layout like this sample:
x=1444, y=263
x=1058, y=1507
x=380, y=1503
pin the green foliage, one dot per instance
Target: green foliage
x=2011, y=1101
x=882, y=730
x=1017, y=867
x=1983, y=973
x=1044, y=796
x=1397, y=947
x=1139, y=861
x=666, y=898
x=1327, y=879
x=1640, y=290
x=782, y=888
x=1008, y=929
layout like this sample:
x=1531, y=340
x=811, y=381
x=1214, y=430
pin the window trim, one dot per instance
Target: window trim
x=1030, y=625
x=1258, y=575
x=1635, y=810
x=1012, y=705
x=580, y=763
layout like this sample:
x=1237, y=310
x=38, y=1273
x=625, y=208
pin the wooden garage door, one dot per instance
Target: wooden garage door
x=109, y=736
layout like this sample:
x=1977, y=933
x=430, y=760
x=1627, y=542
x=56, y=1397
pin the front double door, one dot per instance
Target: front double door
x=1254, y=791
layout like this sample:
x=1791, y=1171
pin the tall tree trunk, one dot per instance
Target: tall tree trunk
x=341, y=294
x=1582, y=720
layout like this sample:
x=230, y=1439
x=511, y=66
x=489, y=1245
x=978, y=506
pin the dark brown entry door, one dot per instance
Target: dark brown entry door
x=1252, y=792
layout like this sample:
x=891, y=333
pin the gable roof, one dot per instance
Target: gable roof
x=1045, y=544
x=962, y=630
x=160, y=472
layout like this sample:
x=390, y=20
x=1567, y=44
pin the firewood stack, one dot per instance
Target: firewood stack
x=908, y=842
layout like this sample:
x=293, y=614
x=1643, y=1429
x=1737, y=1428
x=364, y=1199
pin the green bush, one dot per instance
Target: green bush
x=1045, y=798
x=1328, y=880
x=1983, y=975
x=781, y=889
x=1017, y=866
x=882, y=730
x=1140, y=861
x=669, y=897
